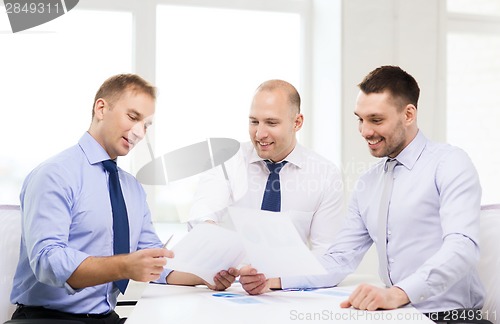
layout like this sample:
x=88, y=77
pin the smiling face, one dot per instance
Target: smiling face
x=120, y=125
x=273, y=124
x=387, y=127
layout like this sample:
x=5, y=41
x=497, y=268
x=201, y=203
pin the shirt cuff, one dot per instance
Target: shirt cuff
x=72, y=263
x=70, y=290
x=415, y=288
x=291, y=282
x=163, y=276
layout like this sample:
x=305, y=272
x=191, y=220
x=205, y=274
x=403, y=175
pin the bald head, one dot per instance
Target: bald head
x=275, y=119
x=284, y=87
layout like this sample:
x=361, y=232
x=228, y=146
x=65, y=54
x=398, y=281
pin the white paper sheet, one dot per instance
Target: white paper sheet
x=272, y=243
x=206, y=250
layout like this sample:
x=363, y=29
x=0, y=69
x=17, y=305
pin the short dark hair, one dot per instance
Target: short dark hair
x=293, y=94
x=115, y=86
x=401, y=85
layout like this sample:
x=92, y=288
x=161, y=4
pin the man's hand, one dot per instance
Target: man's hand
x=224, y=279
x=256, y=283
x=147, y=265
x=368, y=297
x=143, y=265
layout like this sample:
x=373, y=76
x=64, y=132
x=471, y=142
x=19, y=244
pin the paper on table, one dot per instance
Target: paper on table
x=272, y=243
x=206, y=250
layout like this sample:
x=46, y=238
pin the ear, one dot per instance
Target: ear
x=99, y=108
x=410, y=114
x=298, y=122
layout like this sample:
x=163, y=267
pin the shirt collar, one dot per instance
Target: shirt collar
x=93, y=151
x=410, y=154
x=297, y=157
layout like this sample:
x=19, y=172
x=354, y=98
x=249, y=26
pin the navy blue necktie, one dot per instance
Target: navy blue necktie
x=121, y=236
x=272, y=194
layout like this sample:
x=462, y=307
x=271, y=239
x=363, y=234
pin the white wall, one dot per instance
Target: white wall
x=326, y=79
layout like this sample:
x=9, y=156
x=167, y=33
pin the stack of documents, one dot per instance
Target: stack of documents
x=267, y=240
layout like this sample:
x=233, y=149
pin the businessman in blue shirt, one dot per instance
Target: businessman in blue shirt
x=67, y=267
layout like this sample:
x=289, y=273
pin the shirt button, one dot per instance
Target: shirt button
x=389, y=232
x=391, y=260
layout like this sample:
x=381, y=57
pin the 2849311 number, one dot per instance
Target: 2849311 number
x=463, y=314
x=31, y=8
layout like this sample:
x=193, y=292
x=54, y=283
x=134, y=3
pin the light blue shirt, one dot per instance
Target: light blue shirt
x=433, y=228
x=67, y=217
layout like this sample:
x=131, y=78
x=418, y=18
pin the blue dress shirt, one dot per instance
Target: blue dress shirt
x=432, y=228
x=67, y=217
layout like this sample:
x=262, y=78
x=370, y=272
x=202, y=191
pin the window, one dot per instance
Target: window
x=209, y=62
x=473, y=68
x=207, y=59
x=480, y=7
x=49, y=78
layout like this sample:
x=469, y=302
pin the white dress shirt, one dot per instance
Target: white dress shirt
x=432, y=228
x=311, y=190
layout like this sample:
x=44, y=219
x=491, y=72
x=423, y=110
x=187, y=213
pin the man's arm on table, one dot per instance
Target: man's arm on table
x=368, y=297
x=365, y=297
x=223, y=279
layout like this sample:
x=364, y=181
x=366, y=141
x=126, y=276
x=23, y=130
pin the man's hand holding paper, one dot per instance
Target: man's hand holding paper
x=267, y=240
x=206, y=251
x=272, y=243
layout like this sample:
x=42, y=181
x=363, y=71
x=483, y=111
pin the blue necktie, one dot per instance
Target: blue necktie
x=272, y=194
x=121, y=239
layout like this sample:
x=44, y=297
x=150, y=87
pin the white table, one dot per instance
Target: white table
x=177, y=304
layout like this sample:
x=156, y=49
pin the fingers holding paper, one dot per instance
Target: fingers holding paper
x=253, y=282
x=224, y=279
x=146, y=265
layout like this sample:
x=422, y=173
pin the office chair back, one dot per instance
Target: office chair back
x=10, y=237
x=489, y=263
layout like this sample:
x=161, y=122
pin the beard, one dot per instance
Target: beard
x=394, y=143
